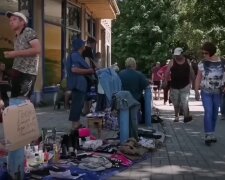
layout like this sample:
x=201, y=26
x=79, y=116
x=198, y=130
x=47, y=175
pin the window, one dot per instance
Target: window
x=52, y=54
x=53, y=42
x=53, y=11
x=91, y=26
x=73, y=16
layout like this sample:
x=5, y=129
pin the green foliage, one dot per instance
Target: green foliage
x=149, y=30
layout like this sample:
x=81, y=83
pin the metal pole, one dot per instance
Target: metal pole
x=148, y=106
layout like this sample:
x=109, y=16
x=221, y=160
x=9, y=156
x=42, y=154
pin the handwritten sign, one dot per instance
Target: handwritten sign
x=20, y=125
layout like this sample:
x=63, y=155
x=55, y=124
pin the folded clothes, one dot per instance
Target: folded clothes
x=92, y=144
x=95, y=163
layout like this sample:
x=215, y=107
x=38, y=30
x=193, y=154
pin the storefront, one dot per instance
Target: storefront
x=57, y=22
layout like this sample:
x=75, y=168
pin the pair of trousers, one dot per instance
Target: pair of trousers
x=211, y=103
x=222, y=106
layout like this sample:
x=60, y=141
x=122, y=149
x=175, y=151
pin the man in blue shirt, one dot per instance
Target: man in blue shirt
x=77, y=69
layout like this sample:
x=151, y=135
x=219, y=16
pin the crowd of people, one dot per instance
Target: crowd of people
x=176, y=77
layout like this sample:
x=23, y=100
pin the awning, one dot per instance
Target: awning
x=102, y=9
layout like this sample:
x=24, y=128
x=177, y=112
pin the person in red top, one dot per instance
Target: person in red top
x=156, y=80
x=161, y=72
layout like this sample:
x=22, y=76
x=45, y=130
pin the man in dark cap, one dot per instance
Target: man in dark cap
x=77, y=68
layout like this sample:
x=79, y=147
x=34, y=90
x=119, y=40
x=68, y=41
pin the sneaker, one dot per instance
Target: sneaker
x=213, y=139
x=208, y=140
x=187, y=119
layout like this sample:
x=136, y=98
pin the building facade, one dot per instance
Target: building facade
x=57, y=22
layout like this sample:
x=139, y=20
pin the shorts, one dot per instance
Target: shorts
x=157, y=84
x=78, y=98
x=22, y=84
x=180, y=96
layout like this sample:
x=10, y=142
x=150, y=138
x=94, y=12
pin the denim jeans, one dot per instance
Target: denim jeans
x=211, y=104
x=222, y=107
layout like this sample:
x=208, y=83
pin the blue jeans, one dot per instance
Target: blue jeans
x=222, y=107
x=211, y=104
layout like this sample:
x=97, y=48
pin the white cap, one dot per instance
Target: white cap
x=18, y=14
x=178, y=51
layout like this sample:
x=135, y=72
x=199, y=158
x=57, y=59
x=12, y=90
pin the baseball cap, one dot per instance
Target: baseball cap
x=18, y=14
x=78, y=43
x=178, y=51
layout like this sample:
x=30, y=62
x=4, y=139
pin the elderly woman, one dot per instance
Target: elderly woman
x=77, y=70
x=134, y=82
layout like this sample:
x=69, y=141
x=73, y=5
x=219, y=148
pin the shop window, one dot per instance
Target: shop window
x=53, y=11
x=69, y=39
x=52, y=54
x=73, y=16
x=91, y=26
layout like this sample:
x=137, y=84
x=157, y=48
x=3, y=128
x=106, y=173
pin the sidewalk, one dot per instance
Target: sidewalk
x=184, y=156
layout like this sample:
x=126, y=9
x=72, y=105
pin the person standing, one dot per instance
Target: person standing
x=156, y=79
x=210, y=80
x=25, y=54
x=77, y=69
x=161, y=72
x=181, y=73
x=135, y=82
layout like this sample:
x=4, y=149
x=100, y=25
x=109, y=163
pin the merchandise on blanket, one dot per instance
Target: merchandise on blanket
x=111, y=121
x=95, y=163
x=48, y=138
x=107, y=148
x=84, y=132
x=147, y=143
x=92, y=144
x=112, y=141
x=121, y=159
x=156, y=119
x=133, y=150
x=148, y=133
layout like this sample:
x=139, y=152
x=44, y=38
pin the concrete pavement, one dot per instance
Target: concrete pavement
x=184, y=155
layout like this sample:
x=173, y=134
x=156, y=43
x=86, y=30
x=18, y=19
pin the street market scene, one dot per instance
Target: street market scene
x=112, y=89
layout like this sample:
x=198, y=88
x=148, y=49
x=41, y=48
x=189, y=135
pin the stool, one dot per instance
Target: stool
x=97, y=123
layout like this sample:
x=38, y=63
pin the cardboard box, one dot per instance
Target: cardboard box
x=20, y=125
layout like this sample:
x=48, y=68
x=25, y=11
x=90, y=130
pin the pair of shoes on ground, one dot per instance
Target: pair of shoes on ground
x=186, y=119
x=210, y=138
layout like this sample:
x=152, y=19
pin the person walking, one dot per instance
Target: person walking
x=26, y=53
x=210, y=80
x=181, y=73
x=156, y=80
x=161, y=72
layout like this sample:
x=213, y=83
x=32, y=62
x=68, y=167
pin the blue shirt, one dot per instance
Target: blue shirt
x=76, y=81
x=134, y=82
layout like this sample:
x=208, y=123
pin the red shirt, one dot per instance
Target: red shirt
x=156, y=77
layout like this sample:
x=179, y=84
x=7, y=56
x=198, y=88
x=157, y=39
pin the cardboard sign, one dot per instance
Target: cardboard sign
x=20, y=125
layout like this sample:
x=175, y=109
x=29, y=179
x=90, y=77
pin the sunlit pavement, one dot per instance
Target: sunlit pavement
x=184, y=156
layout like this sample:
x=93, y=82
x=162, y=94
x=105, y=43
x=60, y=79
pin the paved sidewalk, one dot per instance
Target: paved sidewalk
x=184, y=156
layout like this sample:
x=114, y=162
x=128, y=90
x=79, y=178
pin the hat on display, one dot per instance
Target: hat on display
x=178, y=51
x=18, y=14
